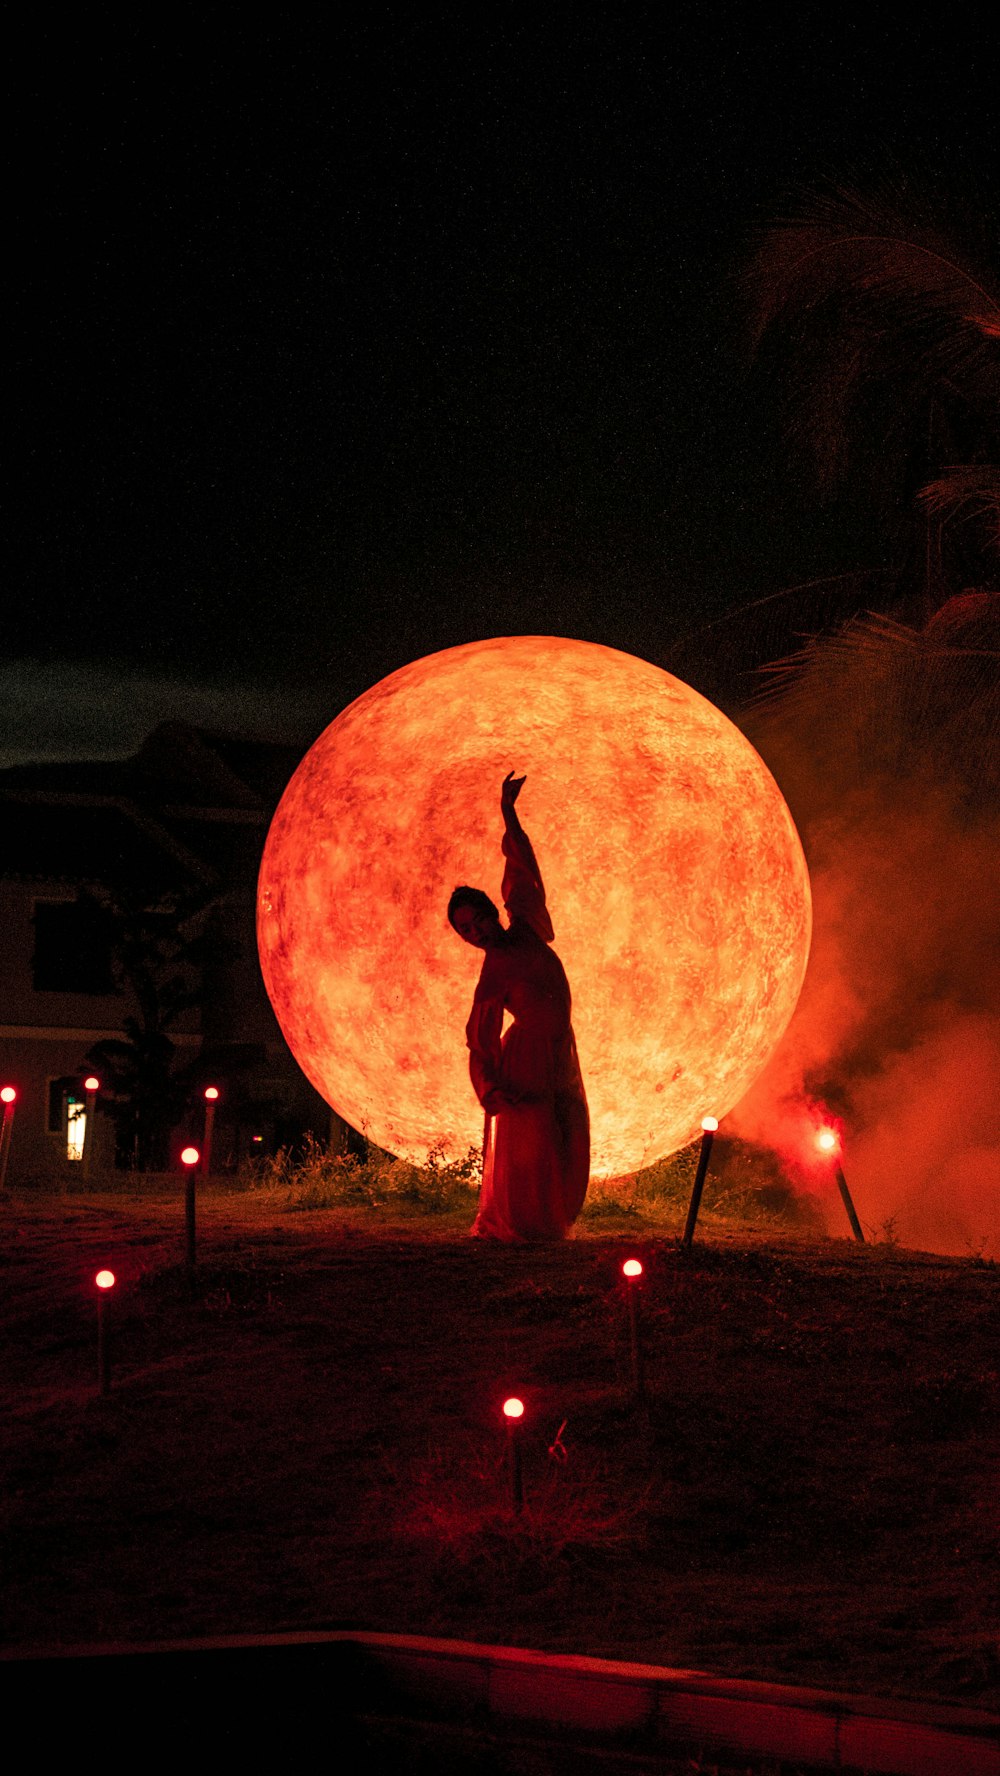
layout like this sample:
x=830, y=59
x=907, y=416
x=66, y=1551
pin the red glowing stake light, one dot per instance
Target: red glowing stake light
x=105, y=1280
x=211, y=1099
x=513, y=1411
x=828, y=1142
x=8, y=1097
x=91, y=1086
x=709, y=1124
x=189, y=1159
x=632, y=1271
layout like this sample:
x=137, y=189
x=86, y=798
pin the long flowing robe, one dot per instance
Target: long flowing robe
x=536, y=1151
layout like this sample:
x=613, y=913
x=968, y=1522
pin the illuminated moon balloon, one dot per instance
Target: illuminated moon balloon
x=674, y=874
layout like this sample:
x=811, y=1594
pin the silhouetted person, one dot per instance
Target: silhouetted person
x=536, y=1150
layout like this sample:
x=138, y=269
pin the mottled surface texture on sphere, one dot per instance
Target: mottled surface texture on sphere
x=675, y=877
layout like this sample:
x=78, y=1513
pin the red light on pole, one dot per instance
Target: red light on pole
x=513, y=1411
x=91, y=1086
x=828, y=1142
x=189, y=1159
x=211, y=1099
x=8, y=1097
x=632, y=1271
x=709, y=1124
x=105, y=1281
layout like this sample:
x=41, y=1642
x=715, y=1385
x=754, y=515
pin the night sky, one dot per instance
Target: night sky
x=335, y=345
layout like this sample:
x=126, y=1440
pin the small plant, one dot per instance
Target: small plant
x=320, y=1179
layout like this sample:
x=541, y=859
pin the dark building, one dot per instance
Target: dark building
x=183, y=822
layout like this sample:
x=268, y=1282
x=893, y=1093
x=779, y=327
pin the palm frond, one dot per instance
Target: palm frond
x=969, y=489
x=857, y=293
x=845, y=245
x=884, y=699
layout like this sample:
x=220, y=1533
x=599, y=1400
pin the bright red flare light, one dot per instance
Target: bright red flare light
x=632, y=1268
x=189, y=1156
x=211, y=1093
x=513, y=1408
x=105, y=1279
x=8, y=1094
x=826, y=1140
x=91, y=1084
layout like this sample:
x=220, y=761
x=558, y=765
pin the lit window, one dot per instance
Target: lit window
x=76, y=1126
x=67, y=1113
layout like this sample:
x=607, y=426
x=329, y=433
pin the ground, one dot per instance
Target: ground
x=314, y=1438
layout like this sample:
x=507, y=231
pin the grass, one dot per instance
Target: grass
x=807, y=1496
x=746, y=1188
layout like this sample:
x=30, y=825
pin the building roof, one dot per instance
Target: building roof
x=189, y=807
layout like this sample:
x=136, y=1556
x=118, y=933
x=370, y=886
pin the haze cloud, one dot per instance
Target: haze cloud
x=64, y=709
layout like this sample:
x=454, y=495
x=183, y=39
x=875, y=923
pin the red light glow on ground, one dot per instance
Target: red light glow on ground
x=675, y=878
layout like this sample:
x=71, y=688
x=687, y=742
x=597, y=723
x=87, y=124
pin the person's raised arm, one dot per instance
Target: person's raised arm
x=523, y=889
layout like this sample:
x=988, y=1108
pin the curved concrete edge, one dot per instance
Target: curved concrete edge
x=642, y=1705
x=660, y=1705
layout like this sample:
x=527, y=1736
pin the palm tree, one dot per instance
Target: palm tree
x=160, y=952
x=882, y=333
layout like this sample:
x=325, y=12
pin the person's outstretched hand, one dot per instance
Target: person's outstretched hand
x=510, y=790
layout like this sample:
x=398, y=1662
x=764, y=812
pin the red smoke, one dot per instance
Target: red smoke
x=892, y=775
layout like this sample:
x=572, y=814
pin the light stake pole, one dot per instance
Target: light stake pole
x=211, y=1099
x=709, y=1124
x=91, y=1086
x=828, y=1142
x=8, y=1097
x=105, y=1280
x=513, y=1411
x=189, y=1160
x=632, y=1271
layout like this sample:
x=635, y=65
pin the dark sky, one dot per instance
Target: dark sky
x=339, y=344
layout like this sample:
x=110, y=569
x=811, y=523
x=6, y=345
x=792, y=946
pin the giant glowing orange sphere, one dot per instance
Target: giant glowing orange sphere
x=675, y=879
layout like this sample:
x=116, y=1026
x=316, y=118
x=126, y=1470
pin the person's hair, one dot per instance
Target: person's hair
x=471, y=897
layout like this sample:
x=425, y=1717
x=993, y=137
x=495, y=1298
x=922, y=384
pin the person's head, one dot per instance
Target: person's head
x=474, y=917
